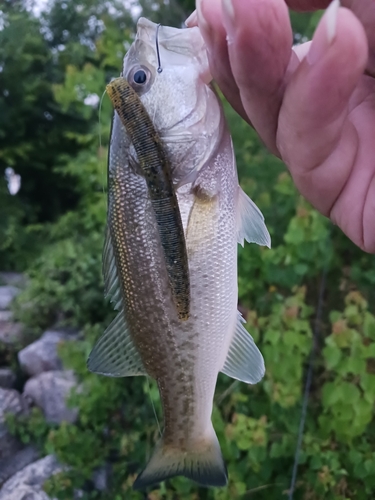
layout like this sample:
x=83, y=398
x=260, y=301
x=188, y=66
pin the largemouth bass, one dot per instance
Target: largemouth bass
x=157, y=171
x=147, y=337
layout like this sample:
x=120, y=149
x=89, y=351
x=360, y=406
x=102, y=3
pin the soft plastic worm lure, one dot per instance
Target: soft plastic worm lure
x=157, y=171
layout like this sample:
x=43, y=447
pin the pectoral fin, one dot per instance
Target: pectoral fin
x=244, y=361
x=250, y=222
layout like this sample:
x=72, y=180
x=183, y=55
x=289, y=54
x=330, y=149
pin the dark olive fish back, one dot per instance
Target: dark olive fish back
x=157, y=172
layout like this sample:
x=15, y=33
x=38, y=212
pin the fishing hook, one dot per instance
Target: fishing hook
x=160, y=69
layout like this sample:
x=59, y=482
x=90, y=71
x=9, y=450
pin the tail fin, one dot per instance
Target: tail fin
x=204, y=465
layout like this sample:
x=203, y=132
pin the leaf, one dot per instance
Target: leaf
x=330, y=394
x=349, y=393
x=369, y=326
x=355, y=364
x=332, y=355
x=369, y=351
x=368, y=385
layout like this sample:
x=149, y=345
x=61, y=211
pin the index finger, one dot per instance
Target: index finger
x=249, y=43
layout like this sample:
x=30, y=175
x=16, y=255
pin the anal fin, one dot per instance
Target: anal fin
x=244, y=361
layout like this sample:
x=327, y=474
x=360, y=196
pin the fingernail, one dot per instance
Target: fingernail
x=228, y=18
x=331, y=19
x=202, y=23
x=192, y=20
x=228, y=9
x=301, y=50
x=325, y=34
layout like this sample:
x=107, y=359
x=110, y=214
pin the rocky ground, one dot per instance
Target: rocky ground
x=41, y=381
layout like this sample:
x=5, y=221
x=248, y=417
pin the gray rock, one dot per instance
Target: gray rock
x=11, y=401
x=41, y=355
x=6, y=316
x=7, y=378
x=9, y=445
x=13, y=279
x=7, y=294
x=49, y=391
x=25, y=493
x=10, y=466
x=27, y=484
x=10, y=332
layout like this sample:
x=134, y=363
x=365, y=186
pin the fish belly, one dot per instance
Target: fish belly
x=203, y=341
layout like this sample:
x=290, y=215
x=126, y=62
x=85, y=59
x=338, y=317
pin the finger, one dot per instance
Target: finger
x=192, y=20
x=315, y=138
x=209, y=15
x=365, y=11
x=354, y=210
x=259, y=45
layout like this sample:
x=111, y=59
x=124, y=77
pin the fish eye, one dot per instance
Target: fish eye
x=140, y=78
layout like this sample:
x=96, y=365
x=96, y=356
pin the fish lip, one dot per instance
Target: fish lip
x=184, y=41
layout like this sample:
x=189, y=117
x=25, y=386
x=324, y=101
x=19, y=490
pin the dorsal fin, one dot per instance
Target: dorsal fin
x=250, y=222
x=111, y=281
x=115, y=354
x=244, y=360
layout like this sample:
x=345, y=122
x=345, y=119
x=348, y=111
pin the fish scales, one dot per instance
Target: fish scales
x=148, y=338
x=157, y=171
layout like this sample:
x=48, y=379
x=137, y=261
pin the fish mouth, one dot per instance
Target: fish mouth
x=177, y=46
x=187, y=41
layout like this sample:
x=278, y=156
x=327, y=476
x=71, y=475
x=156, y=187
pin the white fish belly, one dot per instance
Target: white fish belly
x=203, y=341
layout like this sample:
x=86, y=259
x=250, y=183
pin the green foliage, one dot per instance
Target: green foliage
x=55, y=229
x=30, y=428
x=349, y=355
x=65, y=285
x=286, y=329
x=19, y=241
x=47, y=132
x=304, y=24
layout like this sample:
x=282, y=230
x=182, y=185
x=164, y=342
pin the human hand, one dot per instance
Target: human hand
x=313, y=106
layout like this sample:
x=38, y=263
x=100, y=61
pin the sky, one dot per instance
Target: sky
x=37, y=6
